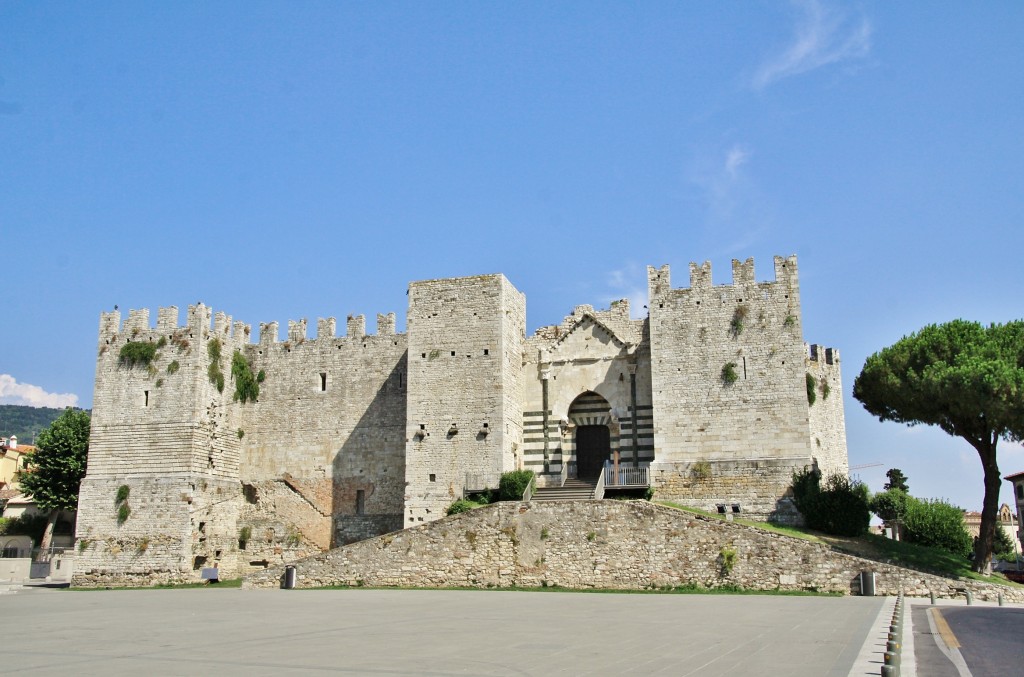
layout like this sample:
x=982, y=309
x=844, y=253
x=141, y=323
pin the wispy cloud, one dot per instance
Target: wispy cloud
x=735, y=158
x=824, y=35
x=12, y=392
x=629, y=282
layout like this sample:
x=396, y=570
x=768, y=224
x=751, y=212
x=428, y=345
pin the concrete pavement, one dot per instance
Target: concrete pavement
x=432, y=632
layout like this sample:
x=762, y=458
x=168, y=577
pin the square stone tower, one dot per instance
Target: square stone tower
x=464, y=406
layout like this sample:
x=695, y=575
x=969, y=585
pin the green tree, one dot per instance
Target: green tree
x=897, y=480
x=963, y=377
x=890, y=505
x=56, y=468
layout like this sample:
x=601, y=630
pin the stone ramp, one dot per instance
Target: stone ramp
x=605, y=544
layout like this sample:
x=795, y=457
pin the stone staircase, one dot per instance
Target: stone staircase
x=573, y=490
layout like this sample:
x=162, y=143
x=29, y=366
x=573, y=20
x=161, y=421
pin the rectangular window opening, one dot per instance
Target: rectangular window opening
x=323, y=381
x=433, y=477
x=486, y=351
x=744, y=367
x=145, y=402
x=360, y=501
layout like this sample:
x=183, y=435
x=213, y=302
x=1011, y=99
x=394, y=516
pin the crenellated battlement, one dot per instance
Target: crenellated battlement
x=821, y=354
x=659, y=280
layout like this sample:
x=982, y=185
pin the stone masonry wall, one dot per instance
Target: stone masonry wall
x=695, y=333
x=464, y=365
x=604, y=544
x=323, y=451
x=827, y=422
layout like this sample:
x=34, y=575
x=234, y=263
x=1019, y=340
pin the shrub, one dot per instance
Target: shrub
x=123, y=512
x=727, y=559
x=136, y=352
x=812, y=394
x=937, y=524
x=729, y=375
x=173, y=367
x=839, y=508
x=513, y=484
x=32, y=526
x=122, y=494
x=246, y=384
x=460, y=506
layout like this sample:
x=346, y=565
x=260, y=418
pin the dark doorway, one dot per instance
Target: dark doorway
x=593, y=447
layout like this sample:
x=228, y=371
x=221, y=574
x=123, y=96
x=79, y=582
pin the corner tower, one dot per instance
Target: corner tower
x=729, y=394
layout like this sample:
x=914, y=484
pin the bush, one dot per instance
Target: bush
x=137, y=352
x=26, y=525
x=123, y=492
x=839, y=508
x=937, y=524
x=513, y=484
x=460, y=506
x=811, y=394
x=246, y=384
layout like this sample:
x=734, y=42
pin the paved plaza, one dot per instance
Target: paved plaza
x=427, y=632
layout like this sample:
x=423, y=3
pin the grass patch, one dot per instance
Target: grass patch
x=873, y=547
x=785, y=530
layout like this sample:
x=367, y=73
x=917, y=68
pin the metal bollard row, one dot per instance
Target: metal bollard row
x=893, y=647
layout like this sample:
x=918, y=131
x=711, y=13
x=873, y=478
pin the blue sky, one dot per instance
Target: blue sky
x=288, y=160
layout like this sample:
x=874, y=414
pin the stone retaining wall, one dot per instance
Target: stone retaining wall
x=605, y=544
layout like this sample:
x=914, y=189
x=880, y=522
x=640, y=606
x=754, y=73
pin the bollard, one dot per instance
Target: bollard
x=970, y=598
x=889, y=671
x=1002, y=600
x=893, y=659
x=892, y=646
x=931, y=593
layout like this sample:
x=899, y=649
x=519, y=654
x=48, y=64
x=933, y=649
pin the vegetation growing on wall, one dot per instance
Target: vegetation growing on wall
x=812, y=391
x=136, y=353
x=214, y=372
x=246, y=383
x=173, y=367
x=739, y=317
x=729, y=375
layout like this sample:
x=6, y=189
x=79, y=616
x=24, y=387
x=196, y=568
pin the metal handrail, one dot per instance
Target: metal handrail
x=530, y=488
x=599, y=489
x=627, y=476
x=564, y=473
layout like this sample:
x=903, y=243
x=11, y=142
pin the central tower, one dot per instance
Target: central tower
x=464, y=407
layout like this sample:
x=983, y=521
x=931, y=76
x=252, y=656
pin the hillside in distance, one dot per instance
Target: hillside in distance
x=25, y=422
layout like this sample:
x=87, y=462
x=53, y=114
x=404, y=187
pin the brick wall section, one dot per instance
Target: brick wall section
x=604, y=544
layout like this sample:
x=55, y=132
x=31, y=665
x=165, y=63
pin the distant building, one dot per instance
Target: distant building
x=1006, y=521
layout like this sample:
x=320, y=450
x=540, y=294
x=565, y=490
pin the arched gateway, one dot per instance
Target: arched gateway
x=591, y=418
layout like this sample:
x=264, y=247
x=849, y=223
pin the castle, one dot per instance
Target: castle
x=712, y=401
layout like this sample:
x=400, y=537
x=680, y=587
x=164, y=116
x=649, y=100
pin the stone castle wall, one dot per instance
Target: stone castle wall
x=356, y=435
x=605, y=544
